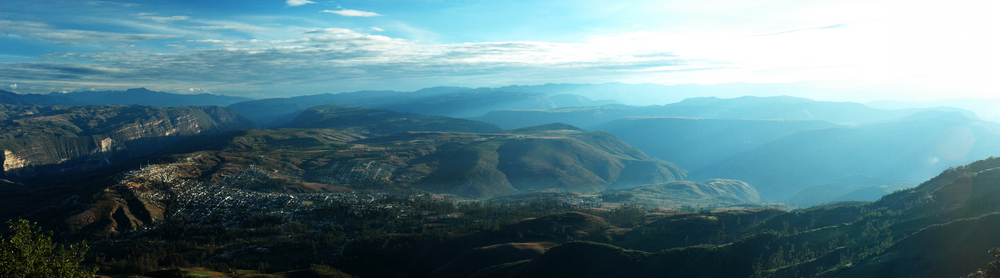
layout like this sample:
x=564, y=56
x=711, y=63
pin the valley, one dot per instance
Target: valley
x=707, y=187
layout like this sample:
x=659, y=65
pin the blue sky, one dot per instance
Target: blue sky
x=277, y=48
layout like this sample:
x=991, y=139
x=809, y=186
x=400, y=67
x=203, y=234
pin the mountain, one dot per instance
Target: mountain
x=986, y=109
x=747, y=107
x=941, y=228
x=848, y=188
x=142, y=96
x=466, y=164
x=695, y=142
x=910, y=149
x=678, y=194
x=437, y=101
x=44, y=140
x=381, y=121
x=33, y=99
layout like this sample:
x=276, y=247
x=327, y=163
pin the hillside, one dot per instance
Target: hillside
x=696, y=142
x=680, y=194
x=45, y=140
x=911, y=149
x=381, y=121
x=941, y=228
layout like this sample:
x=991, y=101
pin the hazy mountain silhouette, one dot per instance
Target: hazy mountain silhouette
x=142, y=96
x=910, y=149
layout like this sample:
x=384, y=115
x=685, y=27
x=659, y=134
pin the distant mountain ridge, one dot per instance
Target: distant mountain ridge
x=382, y=121
x=747, y=107
x=142, y=96
x=457, y=102
x=910, y=149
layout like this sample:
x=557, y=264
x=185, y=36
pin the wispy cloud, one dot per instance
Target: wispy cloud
x=161, y=19
x=127, y=5
x=351, y=13
x=341, y=54
x=376, y=29
x=329, y=31
x=293, y=3
x=239, y=28
x=834, y=26
x=42, y=31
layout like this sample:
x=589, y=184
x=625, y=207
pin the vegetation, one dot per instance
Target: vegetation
x=28, y=252
x=993, y=270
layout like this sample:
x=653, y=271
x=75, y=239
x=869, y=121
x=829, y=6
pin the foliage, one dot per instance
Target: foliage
x=30, y=253
x=993, y=270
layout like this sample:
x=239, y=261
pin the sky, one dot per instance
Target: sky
x=917, y=50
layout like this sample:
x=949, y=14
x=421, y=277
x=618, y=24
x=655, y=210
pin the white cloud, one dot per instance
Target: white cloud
x=293, y=3
x=239, y=28
x=42, y=31
x=161, y=19
x=376, y=29
x=351, y=13
x=13, y=86
x=329, y=31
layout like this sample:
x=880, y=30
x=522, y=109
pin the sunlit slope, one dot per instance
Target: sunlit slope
x=696, y=142
x=711, y=193
x=381, y=121
x=466, y=164
x=44, y=140
x=709, y=107
x=912, y=149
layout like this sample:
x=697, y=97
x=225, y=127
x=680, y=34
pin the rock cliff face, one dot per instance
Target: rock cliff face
x=41, y=140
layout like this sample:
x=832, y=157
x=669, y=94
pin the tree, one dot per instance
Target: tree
x=992, y=270
x=30, y=253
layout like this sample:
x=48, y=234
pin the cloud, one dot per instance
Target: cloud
x=127, y=5
x=42, y=31
x=13, y=86
x=376, y=29
x=239, y=28
x=161, y=19
x=351, y=13
x=293, y=3
x=329, y=31
x=343, y=55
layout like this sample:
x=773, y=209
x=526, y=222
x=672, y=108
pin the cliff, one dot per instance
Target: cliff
x=41, y=140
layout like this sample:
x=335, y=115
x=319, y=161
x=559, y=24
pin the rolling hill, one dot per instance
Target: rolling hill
x=678, y=194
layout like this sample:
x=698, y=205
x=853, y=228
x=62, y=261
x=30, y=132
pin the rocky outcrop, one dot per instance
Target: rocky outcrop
x=42, y=140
